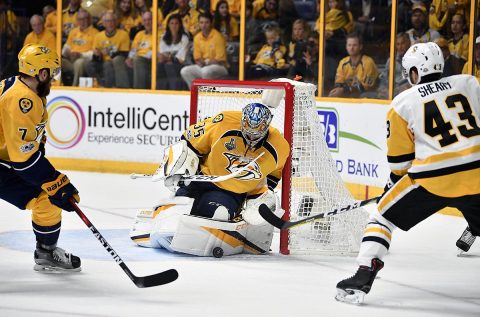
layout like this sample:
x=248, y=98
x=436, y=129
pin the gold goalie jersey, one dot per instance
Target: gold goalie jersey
x=221, y=147
x=434, y=135
x=22, y=120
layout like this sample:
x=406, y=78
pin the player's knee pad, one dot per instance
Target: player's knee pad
x=44, y=213
x=155, y=228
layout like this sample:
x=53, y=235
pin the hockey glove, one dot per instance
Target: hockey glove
x=250, y=213
x=60, y=190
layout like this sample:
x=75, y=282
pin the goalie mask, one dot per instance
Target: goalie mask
x=427, y=58
x=256, y=119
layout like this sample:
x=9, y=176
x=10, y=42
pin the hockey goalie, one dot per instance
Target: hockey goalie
x=220, y=172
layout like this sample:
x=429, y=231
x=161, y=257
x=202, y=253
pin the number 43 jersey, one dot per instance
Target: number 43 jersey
x=433, y=134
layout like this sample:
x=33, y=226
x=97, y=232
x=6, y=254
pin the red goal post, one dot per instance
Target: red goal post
x=310, y=183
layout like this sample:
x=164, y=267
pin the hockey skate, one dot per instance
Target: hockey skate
x=55, y=259
x=353, y=290
x=465, y=241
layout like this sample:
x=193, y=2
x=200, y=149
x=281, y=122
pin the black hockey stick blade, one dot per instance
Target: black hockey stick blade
x=279, y=223
x=156, y=279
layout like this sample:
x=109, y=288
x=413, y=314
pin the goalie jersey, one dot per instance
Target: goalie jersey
x=433, y=134
x=23, y=117
x=222, y=149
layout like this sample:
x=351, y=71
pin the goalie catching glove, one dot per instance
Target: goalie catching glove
x=250, y=213
x=60, y=190
x=178, y=160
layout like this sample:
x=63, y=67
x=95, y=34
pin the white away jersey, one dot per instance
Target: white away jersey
x=434, y=135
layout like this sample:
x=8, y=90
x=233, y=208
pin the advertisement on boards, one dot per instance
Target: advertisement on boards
x=117, y=126
x=356, y=137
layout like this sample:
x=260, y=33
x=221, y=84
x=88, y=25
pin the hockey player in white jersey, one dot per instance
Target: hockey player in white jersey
x=433, y=141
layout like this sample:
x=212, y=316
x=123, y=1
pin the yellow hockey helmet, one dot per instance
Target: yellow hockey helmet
x=34, y=57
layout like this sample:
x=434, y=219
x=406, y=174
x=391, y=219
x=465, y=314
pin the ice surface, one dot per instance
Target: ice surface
x=422, y=274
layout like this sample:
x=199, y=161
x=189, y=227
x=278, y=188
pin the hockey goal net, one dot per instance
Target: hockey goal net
x=310, y=182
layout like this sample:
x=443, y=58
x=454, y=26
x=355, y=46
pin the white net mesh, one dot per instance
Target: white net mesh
x=315, y=185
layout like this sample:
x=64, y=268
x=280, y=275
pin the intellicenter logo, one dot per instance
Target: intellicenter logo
x=66, y=124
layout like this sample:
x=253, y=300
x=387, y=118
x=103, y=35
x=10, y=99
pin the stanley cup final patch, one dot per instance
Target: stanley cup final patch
x=25, y=105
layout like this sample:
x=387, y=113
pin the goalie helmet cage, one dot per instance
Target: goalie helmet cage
x=310, y=182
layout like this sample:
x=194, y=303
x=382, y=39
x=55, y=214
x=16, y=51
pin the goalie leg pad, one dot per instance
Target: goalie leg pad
x=152, y=228
x=200, y=236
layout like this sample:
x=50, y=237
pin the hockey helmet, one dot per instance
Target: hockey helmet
x=427, y=58
x=34, y=57
x=256, y=118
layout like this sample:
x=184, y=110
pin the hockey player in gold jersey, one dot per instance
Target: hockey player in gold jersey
x=219, y=146
x=433, y=140
x=27, y=179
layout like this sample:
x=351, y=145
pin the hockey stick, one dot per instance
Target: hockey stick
x=141, y=281
x=202, y=178
x=279, y=223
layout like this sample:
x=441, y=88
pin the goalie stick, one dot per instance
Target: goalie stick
x=279, y=223
x=161, y=278
x=203, y=178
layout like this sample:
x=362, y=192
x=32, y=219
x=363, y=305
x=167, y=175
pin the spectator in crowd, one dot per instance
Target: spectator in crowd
x=459, y=7
x=140, y=56
x=224, y=22
x=287, y=14
x=172, y=55
x=356, y=73
x=141, y=6
x=438, y=16
x=420, y=32
x=310, y=56
x=69, y=17
x=270, y=60
x=338, y=23
x=297, y=48
x=371, y=21
x=254, y=37
x=46, y=10
x=201, y=5
x=458, y=43
x=110, y=49
x=453, y=64
x=96, y=9
x=51, y=21
x=209, y=53
x=476, y=61
x=78, y=49
x=39, y=34
x=233, y=7
x=402, y=43
x=338, y=20
x=128, y=18
x=189, y=17
x=268, y=12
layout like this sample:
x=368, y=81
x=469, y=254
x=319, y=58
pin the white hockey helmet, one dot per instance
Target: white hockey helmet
x=427, y=58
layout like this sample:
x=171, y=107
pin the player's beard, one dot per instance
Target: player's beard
x=43, y=88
